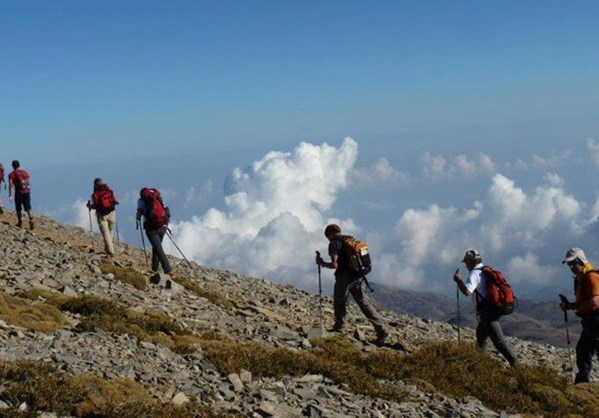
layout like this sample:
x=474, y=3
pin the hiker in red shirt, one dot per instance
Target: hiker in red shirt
x=19, y=180
x=104, y=203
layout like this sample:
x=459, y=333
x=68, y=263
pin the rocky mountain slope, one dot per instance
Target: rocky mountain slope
x=59, y=266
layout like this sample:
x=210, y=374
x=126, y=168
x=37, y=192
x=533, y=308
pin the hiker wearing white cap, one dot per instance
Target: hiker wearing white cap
x=586, y=306
x=488, y=318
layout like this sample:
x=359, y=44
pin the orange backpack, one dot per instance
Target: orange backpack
x=357, y=255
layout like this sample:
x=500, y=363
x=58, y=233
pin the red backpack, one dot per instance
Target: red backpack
x=21, y=181
x=499, y=293
x=104, y=200
x=157, y=215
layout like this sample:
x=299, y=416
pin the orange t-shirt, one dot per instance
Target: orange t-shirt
x=587, y=286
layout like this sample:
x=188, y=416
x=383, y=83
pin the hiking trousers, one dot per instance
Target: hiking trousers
x=488, y=327
x=155, y=236
x=587, y=347
x=344, y=286
x=106, y=222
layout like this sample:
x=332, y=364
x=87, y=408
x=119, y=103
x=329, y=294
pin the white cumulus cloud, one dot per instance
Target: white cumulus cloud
x=593, y=148
x=81, y=215
x=275, y=211
x=380, y=172
x=433, y=166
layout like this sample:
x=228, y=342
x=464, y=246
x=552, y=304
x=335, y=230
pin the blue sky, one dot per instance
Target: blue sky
x=178, y=94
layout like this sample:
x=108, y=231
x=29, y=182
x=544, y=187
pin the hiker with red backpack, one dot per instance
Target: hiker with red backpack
x=18, y=180
x=586, y=306
x=156, y=219
x=492, y=297
x=104, y=203
x=349, y=279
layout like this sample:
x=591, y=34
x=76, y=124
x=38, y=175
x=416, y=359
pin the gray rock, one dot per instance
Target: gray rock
x=67, y=291
x=246, y=377
x=180, y=399
x=95, y=269
x=236, y=382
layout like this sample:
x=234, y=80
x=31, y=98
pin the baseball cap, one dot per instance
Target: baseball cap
x=573, y=254
x=471, y=255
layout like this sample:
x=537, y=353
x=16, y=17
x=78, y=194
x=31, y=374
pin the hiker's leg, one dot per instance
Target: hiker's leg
x=500, y=343
x=586, y=347
x=584, y=358
x=19, y=208
x=166, y=265
x=154, y=240
x=111, y=221
x=481, y=334
x=105, y=229
x=340, y=294
x=26, y=201
x=155, y=236
x=365, y=304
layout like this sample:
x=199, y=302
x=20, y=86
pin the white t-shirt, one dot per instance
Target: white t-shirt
x=476, y=281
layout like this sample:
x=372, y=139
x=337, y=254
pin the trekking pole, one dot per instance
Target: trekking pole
x=168, y=233
x=457, y=295
x=319, y=290
x=143, y=242
x=564, y=300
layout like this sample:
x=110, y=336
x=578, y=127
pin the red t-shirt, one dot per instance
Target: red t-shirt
x=20, y=179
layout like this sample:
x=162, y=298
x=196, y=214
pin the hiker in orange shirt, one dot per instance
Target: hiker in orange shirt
x=586, y=306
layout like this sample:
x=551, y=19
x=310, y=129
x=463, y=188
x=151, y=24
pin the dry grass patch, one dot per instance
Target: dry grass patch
x=125, y=275
x=464, y=370
x=457, y=371
x=213, y=297
x=110, y=316
x=22, y=312
x=47, y=389
x=266, y=361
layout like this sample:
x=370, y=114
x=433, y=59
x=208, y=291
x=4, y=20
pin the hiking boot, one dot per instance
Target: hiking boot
x=381, y=336
x=1, y=210
x=31, y=224
x=19, y=224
